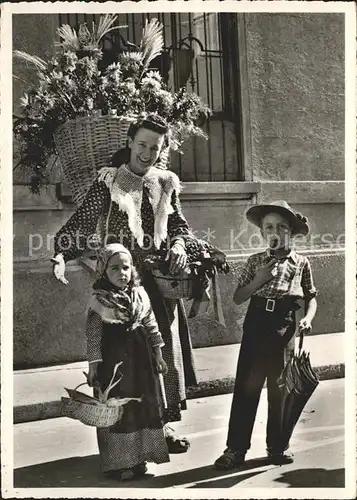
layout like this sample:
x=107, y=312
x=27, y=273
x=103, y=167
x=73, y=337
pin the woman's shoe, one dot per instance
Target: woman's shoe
x=140, y=470
x=230, y=460
x=174, y=443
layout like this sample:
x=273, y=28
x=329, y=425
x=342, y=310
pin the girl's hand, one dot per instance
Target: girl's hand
x=92, y=377
x=267, y=272
x=59, y=268
x=178, y=258
x=305, y=325
x=160, y=364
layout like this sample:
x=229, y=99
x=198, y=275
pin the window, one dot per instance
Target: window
x=200, y=52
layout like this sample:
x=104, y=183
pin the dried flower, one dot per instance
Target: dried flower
x=74, y=84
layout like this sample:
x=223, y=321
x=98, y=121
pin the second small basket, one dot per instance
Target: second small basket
x=174, y=287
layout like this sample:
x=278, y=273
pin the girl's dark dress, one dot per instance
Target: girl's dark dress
x=138, y=437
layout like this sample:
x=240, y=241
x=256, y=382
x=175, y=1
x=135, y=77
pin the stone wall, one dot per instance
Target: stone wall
x=296, y=95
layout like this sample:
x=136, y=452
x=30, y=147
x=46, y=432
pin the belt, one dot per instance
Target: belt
x=271, y=305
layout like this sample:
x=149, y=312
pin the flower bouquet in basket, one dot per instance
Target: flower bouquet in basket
x=82, y=107
x=97, y=412
x=194, y=282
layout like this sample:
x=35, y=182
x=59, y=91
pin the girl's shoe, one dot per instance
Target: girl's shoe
x=174, y=443
x=120, y=474
x=280, y=457
x=127, y=474
x=230, y=460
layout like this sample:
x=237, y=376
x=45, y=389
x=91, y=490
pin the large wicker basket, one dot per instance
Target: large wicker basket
x=86, y=144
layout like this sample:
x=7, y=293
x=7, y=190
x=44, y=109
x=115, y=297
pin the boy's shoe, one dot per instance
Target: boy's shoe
x=280, y=457
x=230, y=460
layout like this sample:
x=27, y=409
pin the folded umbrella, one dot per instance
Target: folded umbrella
x=297, y=382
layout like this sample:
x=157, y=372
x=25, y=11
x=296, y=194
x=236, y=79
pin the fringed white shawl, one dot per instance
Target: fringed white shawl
x=126, y=190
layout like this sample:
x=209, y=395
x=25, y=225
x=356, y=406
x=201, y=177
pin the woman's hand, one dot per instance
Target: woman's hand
x=177, y=257
x=59, y=268
x=160, y=363
x=92, y=377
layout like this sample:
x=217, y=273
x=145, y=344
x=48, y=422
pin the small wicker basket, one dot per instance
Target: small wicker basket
x=92, y=411
x=87, y=144
x=95, y=415
x=174, y=287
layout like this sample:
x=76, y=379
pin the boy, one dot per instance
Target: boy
x=273, y=280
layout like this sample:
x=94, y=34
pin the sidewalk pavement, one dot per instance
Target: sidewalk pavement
x=38, y=391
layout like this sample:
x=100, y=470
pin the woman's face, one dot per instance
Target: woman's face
x=119, y=270
x=276, y=231
x=145, y=150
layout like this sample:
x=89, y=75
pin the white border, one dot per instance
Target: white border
x=178, y=6
x=351, y=256
x=6, y=237
x=6, y=190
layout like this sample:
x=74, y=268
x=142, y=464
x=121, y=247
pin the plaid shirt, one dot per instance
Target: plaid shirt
x=294, y=276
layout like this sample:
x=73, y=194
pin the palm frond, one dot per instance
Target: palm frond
x=105, y=26
x=69, y=37
x=34, y=60
x=21, y=79
x=152, y=41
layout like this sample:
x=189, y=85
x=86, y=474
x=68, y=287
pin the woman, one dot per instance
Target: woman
x=141, y=205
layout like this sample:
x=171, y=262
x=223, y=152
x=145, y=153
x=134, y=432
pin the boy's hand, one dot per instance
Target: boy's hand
x=160, y=363
x=267, y=272
x=305, y=325
x=92, y=377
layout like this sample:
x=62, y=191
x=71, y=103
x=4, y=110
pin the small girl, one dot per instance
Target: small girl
x=121, y=326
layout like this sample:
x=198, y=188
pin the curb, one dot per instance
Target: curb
x=52, y=409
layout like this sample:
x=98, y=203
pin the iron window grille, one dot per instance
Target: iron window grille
x=201, y=53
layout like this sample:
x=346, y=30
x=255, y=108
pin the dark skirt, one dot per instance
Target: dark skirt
x=138, y=437
x=177, y=352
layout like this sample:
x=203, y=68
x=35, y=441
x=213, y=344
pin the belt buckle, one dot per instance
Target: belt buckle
x=270, y=305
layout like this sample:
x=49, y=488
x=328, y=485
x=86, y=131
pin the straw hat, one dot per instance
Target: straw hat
x=296, y=220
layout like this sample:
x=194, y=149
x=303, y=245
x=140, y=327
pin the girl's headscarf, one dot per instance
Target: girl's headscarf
x=106, y=253
x=114, y=305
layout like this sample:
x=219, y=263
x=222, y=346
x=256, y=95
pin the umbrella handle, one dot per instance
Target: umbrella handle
x=301, y=340
x=163, y=392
